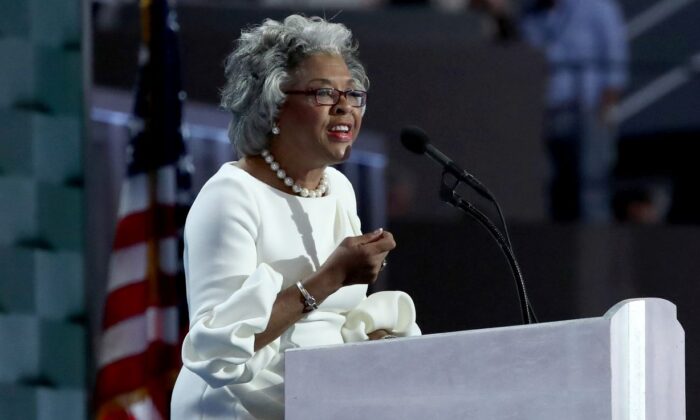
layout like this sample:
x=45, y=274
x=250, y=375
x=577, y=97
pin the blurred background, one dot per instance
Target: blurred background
x=493, y=83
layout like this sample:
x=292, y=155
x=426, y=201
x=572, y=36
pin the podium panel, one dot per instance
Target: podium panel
x=628, y=364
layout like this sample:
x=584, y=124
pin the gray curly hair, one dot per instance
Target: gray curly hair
x=262, y=61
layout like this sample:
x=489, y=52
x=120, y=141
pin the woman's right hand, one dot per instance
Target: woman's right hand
x=358, y=259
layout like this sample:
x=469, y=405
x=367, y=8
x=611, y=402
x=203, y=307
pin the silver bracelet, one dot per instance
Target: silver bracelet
x=309, y=301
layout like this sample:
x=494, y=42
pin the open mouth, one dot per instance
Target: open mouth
x=341, y=132
x=340, y=128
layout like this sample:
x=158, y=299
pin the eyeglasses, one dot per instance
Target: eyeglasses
x=331, y=96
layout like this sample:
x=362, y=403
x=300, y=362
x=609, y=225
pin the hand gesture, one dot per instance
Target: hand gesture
x=358, y=259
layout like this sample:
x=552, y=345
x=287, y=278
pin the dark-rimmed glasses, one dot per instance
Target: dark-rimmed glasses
x=331, y=96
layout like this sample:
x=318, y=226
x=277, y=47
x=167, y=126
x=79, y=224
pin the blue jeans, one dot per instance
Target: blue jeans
x=582, y=151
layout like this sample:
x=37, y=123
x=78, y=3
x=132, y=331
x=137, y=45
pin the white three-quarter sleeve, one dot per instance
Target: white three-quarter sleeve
x=230, y=295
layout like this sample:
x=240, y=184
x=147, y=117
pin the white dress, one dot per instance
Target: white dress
x=244, y=242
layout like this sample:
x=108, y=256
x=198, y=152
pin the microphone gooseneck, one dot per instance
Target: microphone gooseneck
x=417, y=141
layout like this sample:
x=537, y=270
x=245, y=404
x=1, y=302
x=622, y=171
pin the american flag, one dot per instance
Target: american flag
x=144, y=313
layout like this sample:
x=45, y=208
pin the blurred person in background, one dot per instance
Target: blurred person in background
x=643, y=201
x=584, y=43
x=274, y=255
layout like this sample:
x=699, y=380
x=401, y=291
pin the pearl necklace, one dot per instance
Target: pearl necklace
x=320, y=191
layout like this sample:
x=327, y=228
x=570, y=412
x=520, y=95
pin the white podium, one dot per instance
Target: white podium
x=626, y=365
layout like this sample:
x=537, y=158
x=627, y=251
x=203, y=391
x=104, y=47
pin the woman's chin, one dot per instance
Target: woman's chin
x=339, y=153
x=344, y=153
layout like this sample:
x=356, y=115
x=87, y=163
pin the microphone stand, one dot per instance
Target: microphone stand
x=449, y=195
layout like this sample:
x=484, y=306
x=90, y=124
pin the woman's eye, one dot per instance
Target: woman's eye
x=324, y=92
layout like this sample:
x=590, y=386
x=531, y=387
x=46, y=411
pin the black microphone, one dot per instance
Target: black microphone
x=417, y=141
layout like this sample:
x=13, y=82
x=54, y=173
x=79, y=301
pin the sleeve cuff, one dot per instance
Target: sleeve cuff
x=219, y=345
x=392, y=311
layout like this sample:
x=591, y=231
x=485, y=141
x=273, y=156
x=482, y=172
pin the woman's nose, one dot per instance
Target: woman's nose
x=342, y=107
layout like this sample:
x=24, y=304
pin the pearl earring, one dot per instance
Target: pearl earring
x=275, y=130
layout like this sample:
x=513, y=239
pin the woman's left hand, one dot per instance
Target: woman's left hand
x=378, y=334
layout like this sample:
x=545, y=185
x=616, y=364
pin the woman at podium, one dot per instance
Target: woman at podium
x=274, y=255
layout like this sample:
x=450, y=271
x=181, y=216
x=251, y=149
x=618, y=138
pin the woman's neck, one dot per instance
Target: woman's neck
x=299, y=167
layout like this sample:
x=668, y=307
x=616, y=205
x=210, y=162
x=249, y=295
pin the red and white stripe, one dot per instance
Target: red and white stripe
x=155, y=324
x=140, y=326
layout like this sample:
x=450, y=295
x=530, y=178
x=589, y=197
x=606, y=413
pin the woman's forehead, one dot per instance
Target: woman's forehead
x=323, y=69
